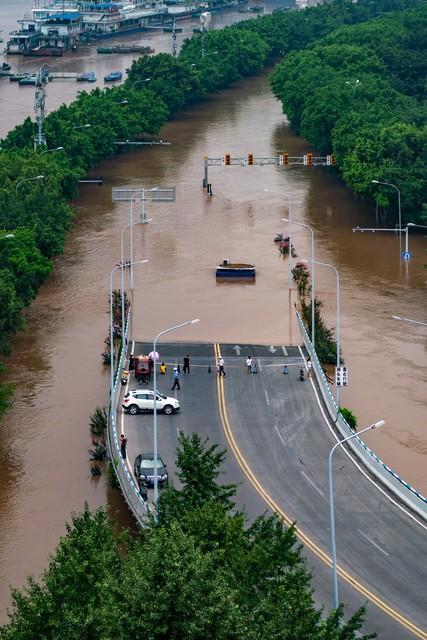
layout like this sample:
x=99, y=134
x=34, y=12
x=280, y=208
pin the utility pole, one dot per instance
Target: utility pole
x=174, y=46
x=40, y=108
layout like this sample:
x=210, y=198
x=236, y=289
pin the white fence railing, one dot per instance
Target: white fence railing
x=392, y=481
x=127, y=483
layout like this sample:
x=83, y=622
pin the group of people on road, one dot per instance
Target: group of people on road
x=220, y=369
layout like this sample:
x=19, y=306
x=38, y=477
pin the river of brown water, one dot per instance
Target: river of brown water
x=44, y=471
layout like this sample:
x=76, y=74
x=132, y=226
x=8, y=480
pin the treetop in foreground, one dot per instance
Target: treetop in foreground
x=197, y=572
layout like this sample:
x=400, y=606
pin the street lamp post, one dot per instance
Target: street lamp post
x=7, y=236
x=290, y=238
x=390, y=184
x=140, y=82
x=159, y=335
x=406, y=230
x=122, y=259
x=83, y=126
x=112, y=329
x=376, y=425
x=313, y=296
x=338, y=322
x=18, y=184
x=51, y=150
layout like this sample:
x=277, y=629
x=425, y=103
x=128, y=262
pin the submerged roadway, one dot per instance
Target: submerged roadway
x=278, y=439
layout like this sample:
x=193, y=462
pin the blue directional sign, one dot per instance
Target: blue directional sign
x=406, y=255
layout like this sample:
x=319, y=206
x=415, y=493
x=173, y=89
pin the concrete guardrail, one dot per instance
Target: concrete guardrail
x=401, y=489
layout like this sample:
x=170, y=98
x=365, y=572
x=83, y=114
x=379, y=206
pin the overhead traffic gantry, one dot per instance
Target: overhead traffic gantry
x=283, y=159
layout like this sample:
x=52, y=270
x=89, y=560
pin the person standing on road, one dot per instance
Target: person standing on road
x=123, y=445
x=176, y=384
x=309, y=366
x=186, y=367
x=163, y=369
x=249, y=364
x=221, y=371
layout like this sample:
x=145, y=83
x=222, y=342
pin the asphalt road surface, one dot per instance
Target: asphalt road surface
x=278, y=443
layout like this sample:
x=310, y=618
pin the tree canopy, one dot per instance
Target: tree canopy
x=199, y=571
x=364, y=101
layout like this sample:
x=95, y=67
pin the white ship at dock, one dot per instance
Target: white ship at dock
x=59, y=25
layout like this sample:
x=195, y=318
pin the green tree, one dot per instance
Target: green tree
x=78, y=593
x=198, y=472
x=199, y=574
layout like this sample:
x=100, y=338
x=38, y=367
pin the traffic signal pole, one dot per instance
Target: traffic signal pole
x=284, y=159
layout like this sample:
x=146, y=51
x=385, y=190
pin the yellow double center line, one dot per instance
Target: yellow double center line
x=308, y=542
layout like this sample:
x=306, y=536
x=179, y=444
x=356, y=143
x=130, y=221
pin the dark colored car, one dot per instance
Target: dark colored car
x=143, y=469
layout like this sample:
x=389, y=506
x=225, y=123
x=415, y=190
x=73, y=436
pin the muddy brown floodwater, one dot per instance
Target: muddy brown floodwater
x=56, y=364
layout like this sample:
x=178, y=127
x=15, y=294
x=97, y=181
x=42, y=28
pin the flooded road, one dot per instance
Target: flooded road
x=44, y=472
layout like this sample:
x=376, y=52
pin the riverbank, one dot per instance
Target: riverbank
x=48, y=369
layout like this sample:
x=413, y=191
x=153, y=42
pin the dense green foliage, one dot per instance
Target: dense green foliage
x=198, y=572
x=349, y=417
x=160, y=85
x=364, y=100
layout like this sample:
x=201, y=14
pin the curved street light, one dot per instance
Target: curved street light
x=7, y=236
x=337, y=275
x=376, y=425
x=83, y=126
x=112, y=331
x=313, y=296
x=140, y=82
x=123, y=266
x=51, y=150
x=390, y=184
x=159, y=335
x=289, y=201
x=18, y=184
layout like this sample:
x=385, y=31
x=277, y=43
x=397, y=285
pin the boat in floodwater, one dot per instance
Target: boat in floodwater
x=229, y=269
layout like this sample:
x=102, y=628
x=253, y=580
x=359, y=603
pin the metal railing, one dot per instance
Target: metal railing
x=392, y=481
x=127, y=483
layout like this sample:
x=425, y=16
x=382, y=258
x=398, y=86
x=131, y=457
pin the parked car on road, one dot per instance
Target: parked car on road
x=143, y=400
x=143, y=469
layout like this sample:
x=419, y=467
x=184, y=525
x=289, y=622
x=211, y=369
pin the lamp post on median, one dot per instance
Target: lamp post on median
x=290, y=239
x=18, y=184
x=338, y=362
x=313, y=285
x=112, y=329
x=159, y=335
x=390, y=184
x=376, y=425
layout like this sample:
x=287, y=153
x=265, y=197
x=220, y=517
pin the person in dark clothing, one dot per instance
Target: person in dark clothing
x=186, y=367
x=123, y=445
x=143, y=490
x=176, y=384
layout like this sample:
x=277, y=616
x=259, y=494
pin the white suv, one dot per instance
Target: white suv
x=143, y=400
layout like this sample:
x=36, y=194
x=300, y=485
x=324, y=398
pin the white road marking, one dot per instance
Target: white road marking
x=372, y=542
x=310, y=481
x=356, y=464
x=259, y=364
x=280, y=435
x=285, y=353
x=267, y=399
